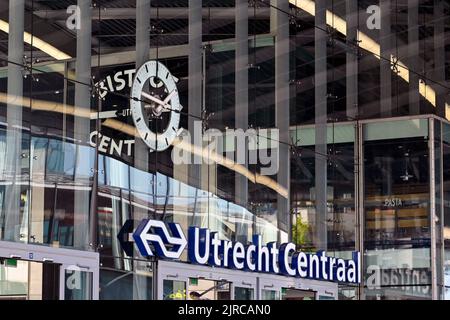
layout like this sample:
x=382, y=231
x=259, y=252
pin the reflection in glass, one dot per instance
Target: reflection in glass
x=78, y=285
x=243, y=293
x=396, y=203
x=174, y=290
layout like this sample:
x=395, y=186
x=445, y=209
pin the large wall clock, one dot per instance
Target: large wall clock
x=145, y=105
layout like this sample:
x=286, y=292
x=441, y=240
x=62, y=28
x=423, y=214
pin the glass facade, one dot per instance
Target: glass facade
x=320, y=122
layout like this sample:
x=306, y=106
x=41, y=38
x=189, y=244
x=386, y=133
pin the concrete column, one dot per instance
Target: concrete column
x=14, y=118
x=439, y=76
x=413, y=59
x=142, y=155
x=352, y=59
x=321, y=38
x=439, y=55
x=143, y=8
x=241, y=97
x=195, y=90
x=280, y=28
x=81, y=124
x=385, y=62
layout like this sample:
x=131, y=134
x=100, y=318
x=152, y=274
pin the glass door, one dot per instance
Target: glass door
x=244, y=293
x=174, y=289
x=183, y=281
x=37, y=272
x=78, y=283
x=272, y=287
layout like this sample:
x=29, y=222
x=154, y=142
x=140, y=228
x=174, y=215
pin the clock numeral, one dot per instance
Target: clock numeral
x=146, y=136
x=137, y=120
x=139, y=80
x=146, y=68
x=167, y=142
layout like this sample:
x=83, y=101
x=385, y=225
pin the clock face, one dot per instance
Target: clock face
x=160, y=100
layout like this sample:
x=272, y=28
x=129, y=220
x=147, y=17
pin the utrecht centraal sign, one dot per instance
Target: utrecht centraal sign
x=167, y=241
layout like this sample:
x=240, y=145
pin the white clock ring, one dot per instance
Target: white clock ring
x=151, y=70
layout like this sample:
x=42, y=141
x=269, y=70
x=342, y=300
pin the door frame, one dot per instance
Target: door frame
x=180, y=271
x=278, y=282
x=68, y=259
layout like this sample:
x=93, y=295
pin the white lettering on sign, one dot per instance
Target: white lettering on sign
x=117, y=82
x=122, y=80
x=393, y=202
x=111, y=146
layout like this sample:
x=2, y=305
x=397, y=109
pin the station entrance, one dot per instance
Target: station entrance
x=183, y=281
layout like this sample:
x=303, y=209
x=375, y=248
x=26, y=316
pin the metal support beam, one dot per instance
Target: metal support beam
x=413, y=61
x=439, y=56
x=438, y=216
x=385, y=62
x=241, y=109
x=141, y=152
x=433, y=253
x=164, y=13
x=352, y=59
x=143, y=9
x=142, y=156
x=82, y=124
x=15, y=120
x=280, y=28
x=195, y=106
x=321, y=162
x=359, y=197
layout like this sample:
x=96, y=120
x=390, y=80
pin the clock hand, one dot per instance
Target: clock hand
x=165, y=106
x=169, y=97
x=157, y=109
x=152, y=98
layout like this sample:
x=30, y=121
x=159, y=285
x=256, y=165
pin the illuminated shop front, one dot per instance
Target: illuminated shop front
x=302, y=124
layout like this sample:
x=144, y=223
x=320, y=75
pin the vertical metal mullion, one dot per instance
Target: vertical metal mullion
x=439, y=56
x=441, y=217
x=321, y=158
x=143, y=7
x=413, y=51
x=280, y=28
x=241, y=103
x=195, y=86
x=385, y=61
x=432, y=211
x=14, y=114
x=352, y=59
x=141, y=152
x=359, y=141
x=66, y=88
x=81, y=124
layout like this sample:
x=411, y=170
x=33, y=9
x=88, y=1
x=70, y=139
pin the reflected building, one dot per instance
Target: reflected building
x=321, y=123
